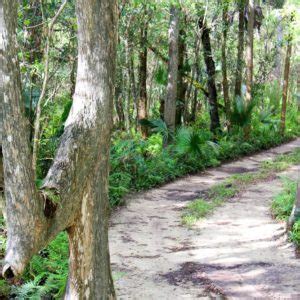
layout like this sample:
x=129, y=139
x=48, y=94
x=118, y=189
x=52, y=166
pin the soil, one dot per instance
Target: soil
x=238, y=252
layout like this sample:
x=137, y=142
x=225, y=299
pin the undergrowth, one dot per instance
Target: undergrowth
x=282, y=206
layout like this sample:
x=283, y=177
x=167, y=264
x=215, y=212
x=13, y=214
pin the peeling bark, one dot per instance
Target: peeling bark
x=78, y=180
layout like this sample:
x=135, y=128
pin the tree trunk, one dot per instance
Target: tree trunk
x=143, y=57
x=211, y=73
x=249, y=52
x=170, y=103
x=285, y=84
x=181, y=85
x=225, y=25
x=2, y=202
x=240, y=53
x=80, y=168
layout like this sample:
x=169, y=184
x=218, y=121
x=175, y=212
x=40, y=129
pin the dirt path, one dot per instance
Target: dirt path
x=239, y=251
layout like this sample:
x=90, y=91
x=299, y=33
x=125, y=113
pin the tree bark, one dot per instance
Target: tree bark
x=240, y=53
x=249, y=52
x=74, y=195
x=211, y=73
x=143, y=57
x=181, y=85
x=2, y=202
x=170, y=103
x=285, y=84
x=225, y=25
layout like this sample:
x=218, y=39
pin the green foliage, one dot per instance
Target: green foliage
x=157, y=126
x=242, y=112
x=54, y=116
x=282, y=204
x=47, y=272
x=295, y=233
x=194, y=142
x=197, y=210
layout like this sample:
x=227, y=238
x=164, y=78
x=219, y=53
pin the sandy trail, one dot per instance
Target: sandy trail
x=239, y=251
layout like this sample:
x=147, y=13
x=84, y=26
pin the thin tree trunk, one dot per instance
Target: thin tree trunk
x=285, y=84
x=80, y=168
x=196, y=74
x=128, y=85
x=170, y=102
x=181, y=85
x=249, y=52
x=211, y=73
x=225, y=25
x=143, y=57
x=240, y=53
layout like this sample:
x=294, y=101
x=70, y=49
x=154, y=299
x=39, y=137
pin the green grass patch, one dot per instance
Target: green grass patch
x=197, y=210
x=230, y=188
x=295, y=233
x=282, y=206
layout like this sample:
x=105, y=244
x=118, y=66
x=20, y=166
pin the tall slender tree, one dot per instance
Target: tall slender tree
x=240, y=52
x=143, y=58
x=225, y=24
x=170, y=103
x=211, y=73
x=181, y=85
x=286, y=76
x=80, y=168
x=249, y=48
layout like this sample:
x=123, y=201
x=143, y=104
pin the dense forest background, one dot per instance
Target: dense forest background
x=228, y=69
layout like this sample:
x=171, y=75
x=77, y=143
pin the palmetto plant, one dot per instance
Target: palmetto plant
x=158, y=126
x=242, y=112
x=192, y=141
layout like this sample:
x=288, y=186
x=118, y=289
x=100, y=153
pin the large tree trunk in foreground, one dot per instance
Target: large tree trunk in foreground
x=74, y=194
x=240, y=53
x=1, y=111
x=170, y=103
x=211, y=73
x=285, y=84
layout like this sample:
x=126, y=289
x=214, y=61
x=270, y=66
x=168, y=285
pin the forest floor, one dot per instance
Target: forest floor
x=238, y=251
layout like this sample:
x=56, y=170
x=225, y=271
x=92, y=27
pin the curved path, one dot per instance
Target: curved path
x=238, y=252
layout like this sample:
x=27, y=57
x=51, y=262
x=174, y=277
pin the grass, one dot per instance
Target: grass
x=232, y=186
x=282, y=206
